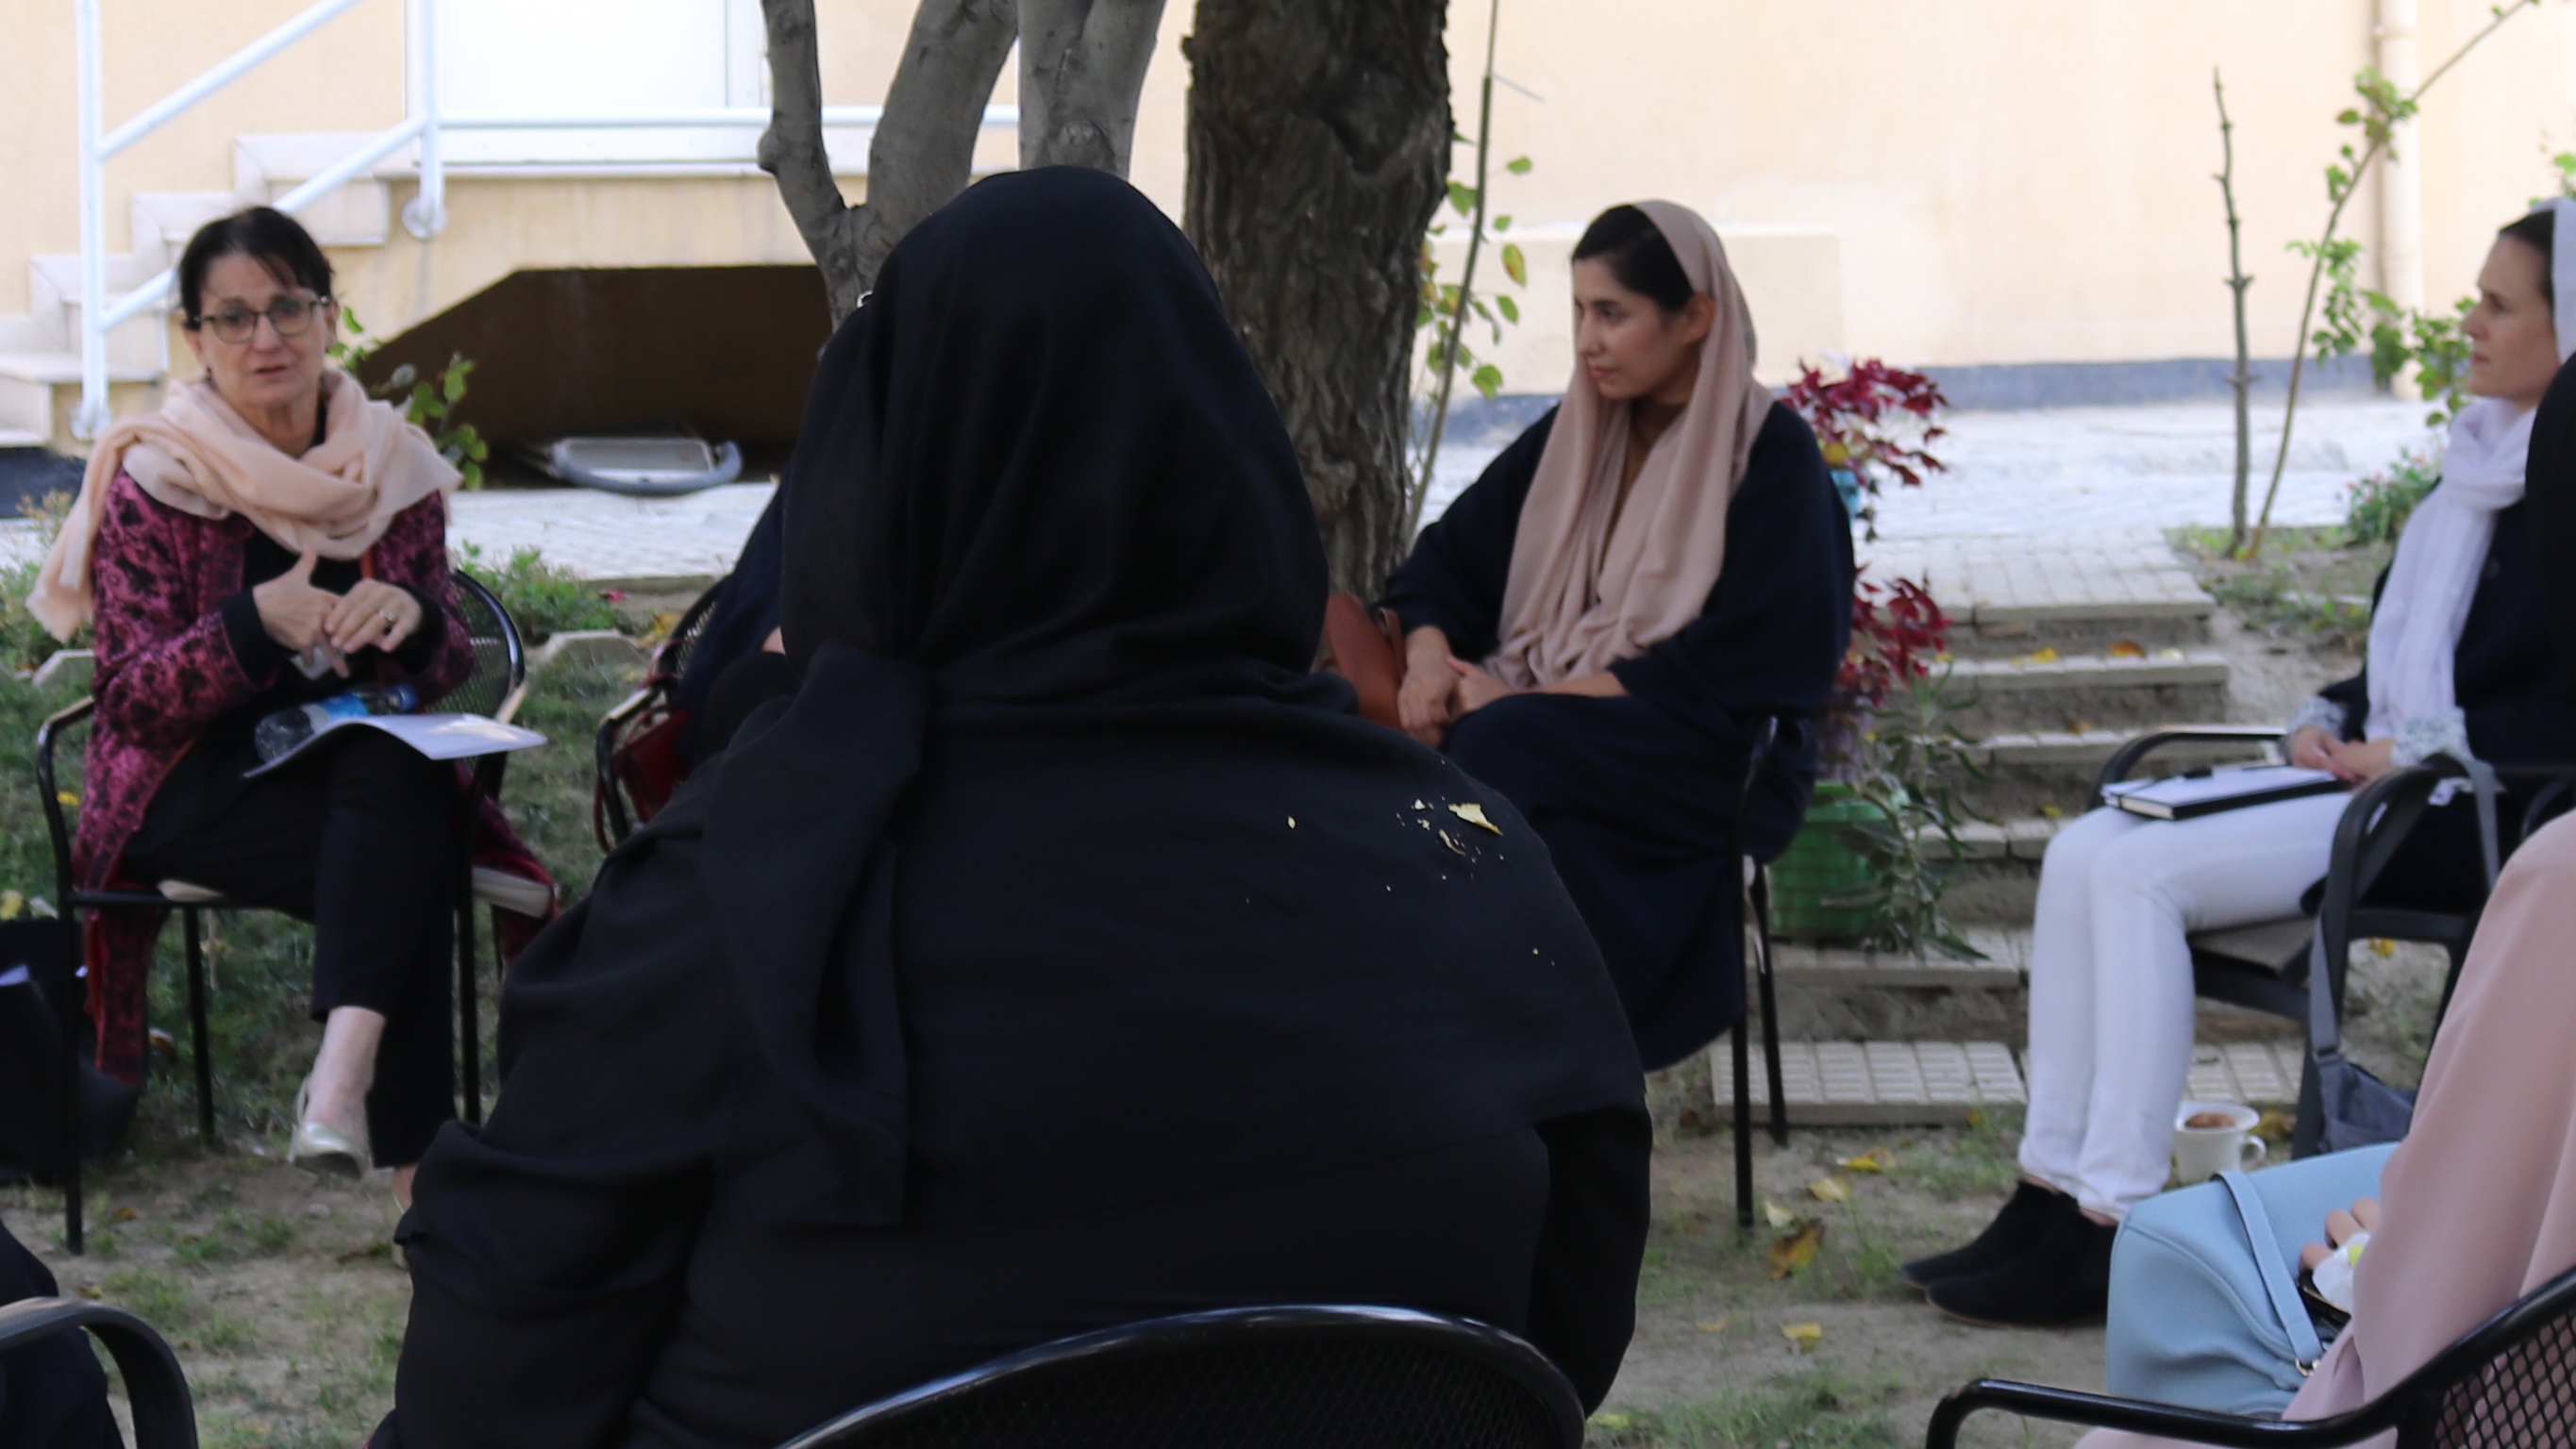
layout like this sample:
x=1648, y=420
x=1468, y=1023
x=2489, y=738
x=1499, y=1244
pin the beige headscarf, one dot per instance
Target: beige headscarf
x=197, y=455
x=2478, y=1206
x=1583, y=595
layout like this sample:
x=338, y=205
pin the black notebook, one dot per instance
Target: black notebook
x=2207, y=792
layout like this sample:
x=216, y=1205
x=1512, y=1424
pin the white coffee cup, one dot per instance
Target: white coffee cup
x=2201, y=1153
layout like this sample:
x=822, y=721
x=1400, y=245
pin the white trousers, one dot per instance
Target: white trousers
x=2110, y=977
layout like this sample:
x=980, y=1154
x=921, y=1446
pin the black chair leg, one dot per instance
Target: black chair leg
x=64, y=993
x=1761, y=894
x=469, y=1008
x=197, y=1031
x=1743, y=1131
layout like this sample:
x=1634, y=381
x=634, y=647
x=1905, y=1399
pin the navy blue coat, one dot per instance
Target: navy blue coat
x=1637, y=797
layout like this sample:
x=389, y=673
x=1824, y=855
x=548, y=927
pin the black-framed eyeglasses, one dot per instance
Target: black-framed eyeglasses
x=287, y=317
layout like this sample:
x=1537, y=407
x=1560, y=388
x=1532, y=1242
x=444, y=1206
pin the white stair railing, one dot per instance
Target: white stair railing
x=424, y=216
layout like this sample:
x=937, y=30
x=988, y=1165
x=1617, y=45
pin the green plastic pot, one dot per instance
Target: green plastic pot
x=1817, y=868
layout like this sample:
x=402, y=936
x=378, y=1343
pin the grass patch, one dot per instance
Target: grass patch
x=1817, y=1409
x=159, y=1298
x=1980, y=1160
x=2311, y=584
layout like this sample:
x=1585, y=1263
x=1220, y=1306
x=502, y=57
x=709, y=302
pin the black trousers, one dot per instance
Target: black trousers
x=357, y=838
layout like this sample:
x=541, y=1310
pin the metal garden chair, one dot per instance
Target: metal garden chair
x=2264, y=966
x=637, y=753
x=155, y=1389
x=495, y=688
x=1239, y=1378
x=2509, y=1383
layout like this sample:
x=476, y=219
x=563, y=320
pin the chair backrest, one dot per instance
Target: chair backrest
x=155, y=1388
x=2509, y=1383
x=671, y=656
x=1252, y=1378
x=500, y=655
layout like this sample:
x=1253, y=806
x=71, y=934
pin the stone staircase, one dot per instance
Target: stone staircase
x=40, y=363
x=2063, y=648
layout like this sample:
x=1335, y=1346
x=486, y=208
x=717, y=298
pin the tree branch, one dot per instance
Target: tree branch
x=1082, y=67
x=924, y=148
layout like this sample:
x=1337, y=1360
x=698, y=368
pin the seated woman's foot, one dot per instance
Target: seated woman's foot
x=2062, y=1281
x=2025, y=1215
x=320, y=1147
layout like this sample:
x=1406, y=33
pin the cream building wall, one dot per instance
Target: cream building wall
x=1974, y=182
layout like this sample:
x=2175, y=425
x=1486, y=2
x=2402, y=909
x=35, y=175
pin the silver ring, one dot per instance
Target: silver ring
x=389, y=618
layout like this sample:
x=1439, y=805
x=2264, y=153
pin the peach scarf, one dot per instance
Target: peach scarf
x=197, y=455
x=1585, y=592
x=2479, y=1204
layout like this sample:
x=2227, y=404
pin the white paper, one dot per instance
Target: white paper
x=438, y=736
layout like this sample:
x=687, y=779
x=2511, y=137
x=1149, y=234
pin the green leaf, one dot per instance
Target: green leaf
x=1511, y=309
x=1501, y=223
x=1488, y=380
x=1518, y=166
x=1514, y=265
x=1462, y=197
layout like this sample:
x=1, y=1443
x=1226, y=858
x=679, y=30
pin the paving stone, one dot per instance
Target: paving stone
x=2257, y=1073
x=1879, y=1083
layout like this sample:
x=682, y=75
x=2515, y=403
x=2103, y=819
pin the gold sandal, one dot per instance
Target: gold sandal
x=322, y=1149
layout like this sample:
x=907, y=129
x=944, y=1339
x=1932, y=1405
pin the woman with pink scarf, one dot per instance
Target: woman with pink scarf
x=1599, y=626
x=270, y=538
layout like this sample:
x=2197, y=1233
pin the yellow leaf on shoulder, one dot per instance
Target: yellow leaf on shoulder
x=1474, y=814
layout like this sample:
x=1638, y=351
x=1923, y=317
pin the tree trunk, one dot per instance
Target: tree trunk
x=923, y=151
x=1319, y=139
x=1082, y=67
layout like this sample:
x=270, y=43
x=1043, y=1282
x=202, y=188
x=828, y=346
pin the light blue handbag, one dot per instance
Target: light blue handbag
x=2205, y=1306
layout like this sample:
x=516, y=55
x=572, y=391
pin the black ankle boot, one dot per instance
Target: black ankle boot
x=2063, y=1281
x=2026, y=1213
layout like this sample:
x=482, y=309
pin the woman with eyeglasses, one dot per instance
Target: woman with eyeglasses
x=269, y=538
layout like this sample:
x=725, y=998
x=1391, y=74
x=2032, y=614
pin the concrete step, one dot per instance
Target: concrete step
x=359, y=213
x=2083, y=694
x=2079, y=593
x=1995, y=879
x=2025, y=772
x=1830, y=992
x=40, y=390
x=164, y=220
x=1877, y=1083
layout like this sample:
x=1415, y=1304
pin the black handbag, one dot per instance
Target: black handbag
x=31, y=1065
x=2360, y=1110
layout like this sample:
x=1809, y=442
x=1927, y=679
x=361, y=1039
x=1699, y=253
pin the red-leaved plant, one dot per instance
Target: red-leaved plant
x=1897, y=633
x=1874, y=422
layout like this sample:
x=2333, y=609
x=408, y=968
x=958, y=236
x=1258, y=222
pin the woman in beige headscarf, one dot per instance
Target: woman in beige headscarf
x=1599, y=625
x=270, y=539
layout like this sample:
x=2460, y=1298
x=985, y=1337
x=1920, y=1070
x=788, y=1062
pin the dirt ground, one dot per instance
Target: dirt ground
x=286, y=1302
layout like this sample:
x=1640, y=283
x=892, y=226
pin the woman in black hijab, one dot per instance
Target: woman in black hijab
x=1061, y=954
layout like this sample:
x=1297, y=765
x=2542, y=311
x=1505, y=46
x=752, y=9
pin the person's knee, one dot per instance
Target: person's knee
x=379, y=768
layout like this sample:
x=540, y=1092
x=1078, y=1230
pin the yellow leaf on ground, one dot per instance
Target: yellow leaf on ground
x=1474, y=814
x=2052, y=812
x=66, y=797
x=1829, y=1189
x=1803, y=1336
x=1711, y=1325
x=1877, y=1159
x=2383, y=946
x=1776, y=1215
x=1610, y=1419
x=1793, y=1251
x=12, y=905
x=2128, y=649
x=2045, y=654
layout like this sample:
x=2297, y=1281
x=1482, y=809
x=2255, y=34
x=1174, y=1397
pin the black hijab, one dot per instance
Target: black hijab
x=1061, y=882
